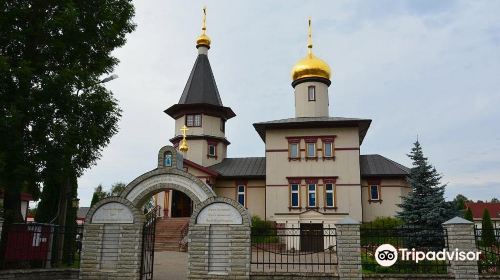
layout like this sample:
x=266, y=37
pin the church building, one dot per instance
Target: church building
x=312, y=172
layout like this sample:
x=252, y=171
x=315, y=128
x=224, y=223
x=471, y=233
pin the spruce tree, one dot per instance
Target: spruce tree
x=468, y=215
x=424, y=208
x=487, y=231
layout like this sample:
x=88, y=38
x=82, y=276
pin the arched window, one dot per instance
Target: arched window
x=167, y=159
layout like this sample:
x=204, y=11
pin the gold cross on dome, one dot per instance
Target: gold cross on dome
x=184, y=129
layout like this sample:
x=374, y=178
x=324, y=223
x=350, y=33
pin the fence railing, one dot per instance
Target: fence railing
x=422, y=239
x=35, y=245
x=308, y=249
x=489, y=260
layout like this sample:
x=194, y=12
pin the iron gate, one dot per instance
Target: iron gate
x=148, y=244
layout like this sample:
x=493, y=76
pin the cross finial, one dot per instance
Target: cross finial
x=204, y=24
x=184, y=129
x=309, y=38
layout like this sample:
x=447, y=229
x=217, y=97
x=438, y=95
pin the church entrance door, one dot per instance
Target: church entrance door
x=182, y=205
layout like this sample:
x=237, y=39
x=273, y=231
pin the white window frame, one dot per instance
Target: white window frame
x=292, y=192
x=309, y=192
x=331, y=149
x=215, y=150
x=332, y=191
x=314, y=150
x=311, y=93
x=291, y=145
x=197, y=120
x=238, y=193
x=378, y=192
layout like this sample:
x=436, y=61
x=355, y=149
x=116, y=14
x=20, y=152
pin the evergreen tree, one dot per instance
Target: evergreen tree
x=117, y=189
x=424, y=208
x=468, y=215
x=98, y=195
x=487, y=231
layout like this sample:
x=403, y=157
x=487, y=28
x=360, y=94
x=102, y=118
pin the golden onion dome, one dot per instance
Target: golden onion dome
x=203, y=39
x=311, y=66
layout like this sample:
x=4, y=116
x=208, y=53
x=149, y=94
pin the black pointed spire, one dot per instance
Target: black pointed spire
x=201, y=86
x=200, y=94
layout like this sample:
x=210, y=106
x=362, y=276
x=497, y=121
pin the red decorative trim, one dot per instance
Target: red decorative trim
x=330, y=180
x=347, y=149
x=328, y=139
x=312, y=180
x=215, y=143
x=241, y=182
x=311, y=139
x=374, y=181
x=294, y=180
x=276, y=185
x=276, y=150
x=293, y=139
x=199, y=167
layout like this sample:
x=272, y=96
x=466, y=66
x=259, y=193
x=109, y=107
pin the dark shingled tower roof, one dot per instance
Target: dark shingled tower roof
x=201, y=86
x=200, y=94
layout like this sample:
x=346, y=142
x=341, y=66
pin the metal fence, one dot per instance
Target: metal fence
x=489, y=260
x=35, y=245
x=419, y=238
x=309, y=249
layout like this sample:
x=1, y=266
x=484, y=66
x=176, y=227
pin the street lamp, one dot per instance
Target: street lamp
x=109, y=78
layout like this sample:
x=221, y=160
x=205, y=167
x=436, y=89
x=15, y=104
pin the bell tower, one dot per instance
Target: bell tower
x=200, y=109
x=310, y=80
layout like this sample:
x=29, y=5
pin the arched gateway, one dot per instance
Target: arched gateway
x=113, y=235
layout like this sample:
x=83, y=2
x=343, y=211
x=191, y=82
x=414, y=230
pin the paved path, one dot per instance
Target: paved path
x=170, y=266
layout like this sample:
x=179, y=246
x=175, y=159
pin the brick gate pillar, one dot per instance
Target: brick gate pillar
x=349, y=249
x=461, y=237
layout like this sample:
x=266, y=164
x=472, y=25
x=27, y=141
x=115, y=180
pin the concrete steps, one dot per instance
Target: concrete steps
x=168, y=234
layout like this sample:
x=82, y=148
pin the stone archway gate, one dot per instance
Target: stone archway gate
x=219, y=229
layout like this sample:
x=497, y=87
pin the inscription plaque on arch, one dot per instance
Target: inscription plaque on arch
x=219, y=213
x=113, y=213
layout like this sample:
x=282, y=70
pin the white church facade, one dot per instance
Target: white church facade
x=312, y=172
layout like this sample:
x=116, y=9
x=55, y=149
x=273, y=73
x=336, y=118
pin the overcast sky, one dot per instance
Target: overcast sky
x=426, y=68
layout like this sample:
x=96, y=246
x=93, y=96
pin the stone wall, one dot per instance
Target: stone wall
x=112, y=251
x=40, y=274
x=219, y=251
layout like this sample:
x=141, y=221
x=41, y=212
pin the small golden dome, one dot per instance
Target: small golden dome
x=311, y=66
x=203, y=40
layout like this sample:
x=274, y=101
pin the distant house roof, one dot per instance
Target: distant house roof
x=377, y=165
x=82, y=212
x=314, y=122
x=477, y=209
x=255, y=167
x=250, y=167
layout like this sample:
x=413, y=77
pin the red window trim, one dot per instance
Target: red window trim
x=311, y=139
x=294, y=180
x=312, y=181
x=374, y=181
x=329, y=180
x=293, y=140
x=215, y=144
